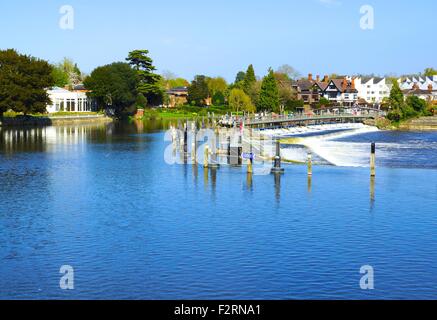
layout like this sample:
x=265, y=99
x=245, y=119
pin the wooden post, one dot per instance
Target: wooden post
x=277, y=168
x=373, y=160
x=206, y=155
x=310, y=164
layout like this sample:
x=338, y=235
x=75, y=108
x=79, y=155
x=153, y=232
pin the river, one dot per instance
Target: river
x=102, y=200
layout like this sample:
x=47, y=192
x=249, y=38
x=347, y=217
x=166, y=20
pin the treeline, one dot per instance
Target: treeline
x=23, y=83
x=403, y=109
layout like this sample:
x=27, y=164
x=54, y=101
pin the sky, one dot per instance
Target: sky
x=222, y=37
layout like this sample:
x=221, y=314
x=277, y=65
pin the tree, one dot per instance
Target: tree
x=23, y=83
x=113, y=86
x=67, y=73
x=249, y=80
x=198, y=92
x=240, y=101
x=429, y=72
x=269, y=94
x=149, y=83
x=289, y=71
x=417, y=104
x=216, y=85
x=286, y=92
x=240, y=77
x=396, y=98
x=323, y=103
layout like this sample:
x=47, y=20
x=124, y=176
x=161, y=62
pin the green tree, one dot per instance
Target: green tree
x=417, y=104
x=149, y=83
x=113, y=86
x=23, y=83
x=240, y=77
x=249, y=80
x=67, y=73
x=216, y=85
x=240, y=101
x=269, y=94
x=198, y=92
x=286, y=92
x=429, y=72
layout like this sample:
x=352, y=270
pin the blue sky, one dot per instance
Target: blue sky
x=222, y=37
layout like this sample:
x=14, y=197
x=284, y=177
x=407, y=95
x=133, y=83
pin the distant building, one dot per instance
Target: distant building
x=75, y=100
x=310, y=90
x=373, y=90
x=422, y=87
x=341, y=91
x=177, y=97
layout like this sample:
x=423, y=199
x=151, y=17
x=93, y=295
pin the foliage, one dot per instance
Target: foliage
x=218, y=99
x=323, y=103
x=23, y=82
x=293, y=105
x=113, y=86
x=269, y=94
x=149, y=83
x=66, y=73
x=286, y=92
x=198, y=92
x=240, y=77
x=240, y=101
x=216, y=85
x=429, y=72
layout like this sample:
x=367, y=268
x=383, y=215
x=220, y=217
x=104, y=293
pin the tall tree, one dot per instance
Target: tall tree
x=240, y=77
x=198, y=92
x=23, y=83
x=269, y=94
x=396, y=102
x=249, y=80
x=149, y=83
x=240, y=101
x=113, y=86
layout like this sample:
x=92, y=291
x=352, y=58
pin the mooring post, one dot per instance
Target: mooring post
x=310, y=164
x=277, y=168
x=185, y=138
x=205, y=158
x=373, y=160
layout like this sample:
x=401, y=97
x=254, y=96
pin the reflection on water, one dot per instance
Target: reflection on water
x=102, y=199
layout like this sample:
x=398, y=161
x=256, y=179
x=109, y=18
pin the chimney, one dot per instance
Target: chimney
x=415, y=86
x=318, y=78
x=344, y=84
x=310, y=77
x=325, y=79
x=430, y=87
x=353, y=83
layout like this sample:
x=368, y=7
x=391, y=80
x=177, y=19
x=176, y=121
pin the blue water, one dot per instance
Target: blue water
x=102, y=200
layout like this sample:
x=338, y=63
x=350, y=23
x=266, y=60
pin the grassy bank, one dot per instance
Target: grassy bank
x=12, y=114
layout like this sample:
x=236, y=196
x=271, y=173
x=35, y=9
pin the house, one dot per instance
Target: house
x=75, y=100
x=310, y=90
x=422, y=87
x=341, y=91
x=373, y=89
x=177, y=97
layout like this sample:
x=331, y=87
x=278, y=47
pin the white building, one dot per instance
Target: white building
x=373, y=90
x=70, y=101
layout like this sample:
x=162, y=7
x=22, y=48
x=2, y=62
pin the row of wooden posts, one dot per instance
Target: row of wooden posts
x=235, y=156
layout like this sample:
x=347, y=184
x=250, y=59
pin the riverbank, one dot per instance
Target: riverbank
x=420, y=124
x=39, y=121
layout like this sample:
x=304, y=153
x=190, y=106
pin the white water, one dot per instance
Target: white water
x=342, y=154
